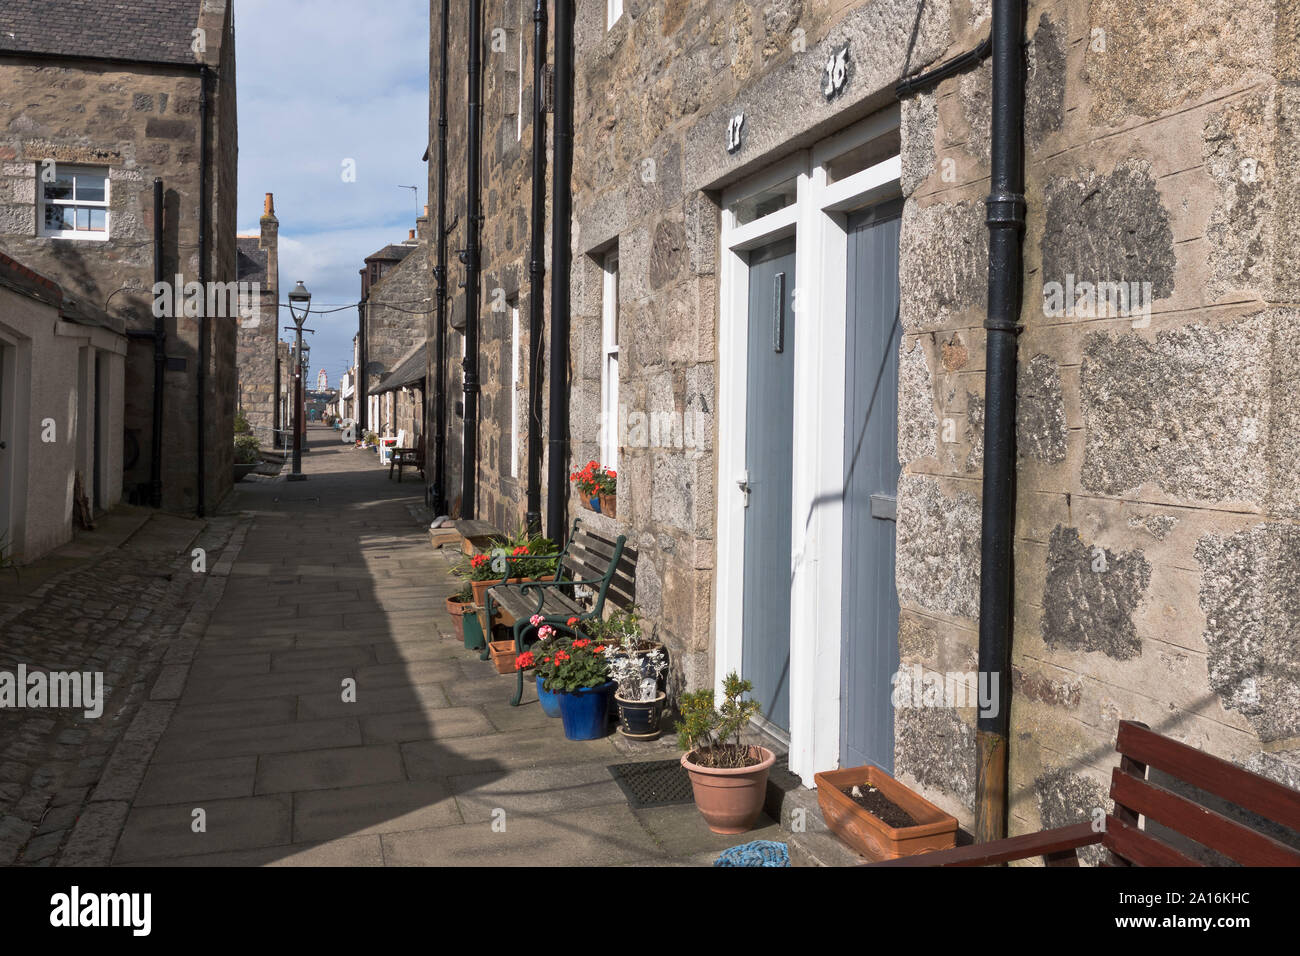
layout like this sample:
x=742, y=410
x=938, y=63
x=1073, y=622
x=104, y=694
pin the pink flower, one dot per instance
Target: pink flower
x=536, y=619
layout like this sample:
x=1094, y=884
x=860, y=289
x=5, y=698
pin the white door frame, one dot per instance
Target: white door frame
x=817, y=220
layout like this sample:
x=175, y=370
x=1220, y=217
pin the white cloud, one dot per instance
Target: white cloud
x=321, y=82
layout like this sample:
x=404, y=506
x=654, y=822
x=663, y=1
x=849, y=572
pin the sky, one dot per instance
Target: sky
x=321, y=83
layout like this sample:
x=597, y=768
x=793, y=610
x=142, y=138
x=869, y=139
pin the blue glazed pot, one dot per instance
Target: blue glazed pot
x=585, y=712
x=595, y=504
x=550, y=701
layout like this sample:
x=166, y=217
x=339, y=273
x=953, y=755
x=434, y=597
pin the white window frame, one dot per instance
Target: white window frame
x=817, y=220
x=609, y=410
x=519, y=87
x=613, y=11
x=75, y=203
x=515, y=388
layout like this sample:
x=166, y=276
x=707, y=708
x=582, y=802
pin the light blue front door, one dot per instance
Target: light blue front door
x=870, y=598
x=769, y=463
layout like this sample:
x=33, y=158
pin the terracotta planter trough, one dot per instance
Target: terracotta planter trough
x=870, y=836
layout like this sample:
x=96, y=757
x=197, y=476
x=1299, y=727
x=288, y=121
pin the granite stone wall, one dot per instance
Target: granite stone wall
x=141, y=122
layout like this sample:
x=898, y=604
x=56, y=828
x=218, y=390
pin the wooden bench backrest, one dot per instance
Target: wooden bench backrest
x=588, y=558
x=1142, y=750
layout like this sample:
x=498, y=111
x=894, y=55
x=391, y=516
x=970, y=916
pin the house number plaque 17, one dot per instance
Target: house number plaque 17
x=734, y=126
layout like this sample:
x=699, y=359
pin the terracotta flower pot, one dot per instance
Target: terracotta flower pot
x=456, y=608
x=480, y=588
x=503, y=656
x=730, y=800
x=609, y=505
x=871, y=836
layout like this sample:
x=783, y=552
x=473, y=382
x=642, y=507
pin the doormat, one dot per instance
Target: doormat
x=654, y=783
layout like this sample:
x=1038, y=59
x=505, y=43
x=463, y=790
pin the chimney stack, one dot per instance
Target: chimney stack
x=270, y=242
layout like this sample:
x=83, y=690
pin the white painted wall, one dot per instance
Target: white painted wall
x=47, y=396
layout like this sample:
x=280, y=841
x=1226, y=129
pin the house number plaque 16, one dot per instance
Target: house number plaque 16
x=835, y=74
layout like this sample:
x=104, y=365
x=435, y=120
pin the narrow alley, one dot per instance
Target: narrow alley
x=329, y=580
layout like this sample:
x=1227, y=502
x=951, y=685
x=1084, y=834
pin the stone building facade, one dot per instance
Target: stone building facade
x=1156, y=559
x=259, y=265
x=395, y=285
x=122, y=107
x=506, y=173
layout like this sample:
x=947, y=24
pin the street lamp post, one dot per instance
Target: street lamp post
x=299, y=306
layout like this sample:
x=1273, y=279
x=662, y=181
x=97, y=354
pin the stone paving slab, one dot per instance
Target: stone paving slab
x=537, y=790
x=324, y=769
x=411, y=725
x=197, y=780
x=156, y=833
x=603, y=836
x=192, y=741
x=395, y=807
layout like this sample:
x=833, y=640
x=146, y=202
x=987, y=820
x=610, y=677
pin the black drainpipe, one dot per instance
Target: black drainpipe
x=470, y=257
x=159, y=352
x=562, y=197
x=1006, y=222
x=1005, y=219
x=363, y=399
x=201, y=378
x=537, y=273
x=440, y=276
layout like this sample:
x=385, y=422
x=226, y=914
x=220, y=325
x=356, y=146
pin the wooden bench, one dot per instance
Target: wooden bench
x=407, y=458
x=1135, y=794
x=589, y=560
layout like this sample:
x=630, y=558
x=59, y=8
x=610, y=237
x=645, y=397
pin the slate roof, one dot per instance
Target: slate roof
x=250, y=261
x=394, y=252
x=411, y=369
x=151, y=31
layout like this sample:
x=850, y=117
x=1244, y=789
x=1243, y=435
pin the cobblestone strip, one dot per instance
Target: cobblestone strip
x=66, y=780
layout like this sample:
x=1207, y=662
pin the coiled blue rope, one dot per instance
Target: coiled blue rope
x=758, y=853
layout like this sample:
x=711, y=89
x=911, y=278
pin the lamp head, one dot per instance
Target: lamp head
x=299, y=303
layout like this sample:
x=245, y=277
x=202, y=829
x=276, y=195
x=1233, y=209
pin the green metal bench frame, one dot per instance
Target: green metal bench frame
x=581, y=556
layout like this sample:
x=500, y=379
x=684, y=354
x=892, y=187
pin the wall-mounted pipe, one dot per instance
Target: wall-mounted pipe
x=537, y=274
x=561, y=262
x=201, y=378
x=440, y=294
x=1006, y=221
x=159, y=353
x=470, y=257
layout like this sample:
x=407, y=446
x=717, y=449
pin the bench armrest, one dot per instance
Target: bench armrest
x=1043, y=843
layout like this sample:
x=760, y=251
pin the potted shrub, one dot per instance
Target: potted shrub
x=639, y=699
x=728, y=777
x=248, y=455
x=596, y=487
x=879, y=817
x=622, y=628
x=580, y=678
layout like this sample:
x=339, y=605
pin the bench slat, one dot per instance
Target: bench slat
x=1043, y=843
x=1211, y=774
x=1131, y=844
x=578, y=552
x=609, y=543
x=1205, y=826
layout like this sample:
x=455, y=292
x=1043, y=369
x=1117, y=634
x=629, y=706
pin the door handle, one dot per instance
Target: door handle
x=745, y=488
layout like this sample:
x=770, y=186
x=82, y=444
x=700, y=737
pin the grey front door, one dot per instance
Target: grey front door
x=769, y=464
x=870, y=598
